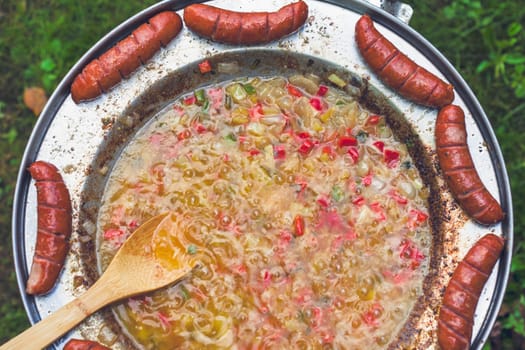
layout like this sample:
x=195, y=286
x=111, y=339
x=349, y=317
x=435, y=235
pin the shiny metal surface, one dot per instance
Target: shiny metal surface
x=69, y=135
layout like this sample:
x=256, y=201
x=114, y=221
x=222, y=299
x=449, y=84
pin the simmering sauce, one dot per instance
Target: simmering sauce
x=307, y=217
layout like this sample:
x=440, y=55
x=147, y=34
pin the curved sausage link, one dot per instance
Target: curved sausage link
x=77, y=344
x=456, y=316
x=458, y=168
x=54, y=227
x=398, y=71
x=121, y=60
x=240, y=28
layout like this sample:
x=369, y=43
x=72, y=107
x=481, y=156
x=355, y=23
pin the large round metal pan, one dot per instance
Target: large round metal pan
x=70, y=135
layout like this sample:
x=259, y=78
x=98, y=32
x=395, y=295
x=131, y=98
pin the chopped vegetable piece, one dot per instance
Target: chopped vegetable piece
x=346, y=141
x=380, y=145
x=250, y=90
x=359, y=200
x=397, y=197
x=200, y=97
x=334, y=78
x=192, y=249
x=337, y=193
x=189, y=100
x=205, y=67
x=354, y=154
x=113, y=233
x=316, y=104
x=237, y=92
x=327, y=115
x=298, y=225
x=279, y=152
x=322, y=90
x=306, y=147
x=391, y=157
x=292, y=90
x=183, y=135
x=373, y=120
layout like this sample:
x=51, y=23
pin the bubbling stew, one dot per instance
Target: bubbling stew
x=307, y=216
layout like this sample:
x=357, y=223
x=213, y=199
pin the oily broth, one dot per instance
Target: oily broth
x=306, y=214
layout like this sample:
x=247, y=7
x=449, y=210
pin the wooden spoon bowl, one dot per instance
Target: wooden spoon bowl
x=135, y=269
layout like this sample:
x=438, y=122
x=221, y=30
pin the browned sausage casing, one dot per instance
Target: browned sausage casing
x=456, y=316
x=398, y=71
x=240, y=28
x=127, y=55
x=458, y=168
x=76, y=344
x=54, y=227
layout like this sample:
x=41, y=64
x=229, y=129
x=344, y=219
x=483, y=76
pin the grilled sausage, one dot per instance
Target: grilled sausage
x=239, y=28
x=458, y=167
x=76, y=344
x=398, y=71
x=54, y=227
x=456, y=316
x=127, y=55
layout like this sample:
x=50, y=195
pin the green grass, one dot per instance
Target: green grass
x=41, y=40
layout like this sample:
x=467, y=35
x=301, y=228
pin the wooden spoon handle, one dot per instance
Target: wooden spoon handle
x=59, y=322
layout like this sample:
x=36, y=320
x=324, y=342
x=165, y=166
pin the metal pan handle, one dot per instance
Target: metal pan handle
x=397, y=8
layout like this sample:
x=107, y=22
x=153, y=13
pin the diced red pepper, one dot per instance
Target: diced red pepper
x=323, y=200
x=254, y=152
x=354, y=154
x=256, y=112
x=279, y=152
x=397, y=197
x=133, y=224
x=367, y=180
x=178, y=109
x=190, y=100
x=205, y=67
x=316, y=104
x=391, y=157
x=306, y=147
x=322, y=90
x=347, y=141
x=409, y=251
x=373, y=120
x=199, y=128
x=184, y=134
x=378, y=210
x=415, y=218
x=372, y=315
x=328, y=151
x=303, y=134
x=113, y=233
x=292, y=90
x=359, y=200
x=298, y=225
x=380, y=145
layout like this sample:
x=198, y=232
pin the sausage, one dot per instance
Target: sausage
x=398, y=71
x=53, y=229
x=458, y=168
x=121, y=60
x=456, y=316
x=243, y=28
x=77, y=344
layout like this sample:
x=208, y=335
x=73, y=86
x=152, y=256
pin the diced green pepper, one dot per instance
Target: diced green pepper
x=250, y=90
x=200, y=96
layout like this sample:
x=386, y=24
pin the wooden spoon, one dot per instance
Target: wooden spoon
x=135, y=269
